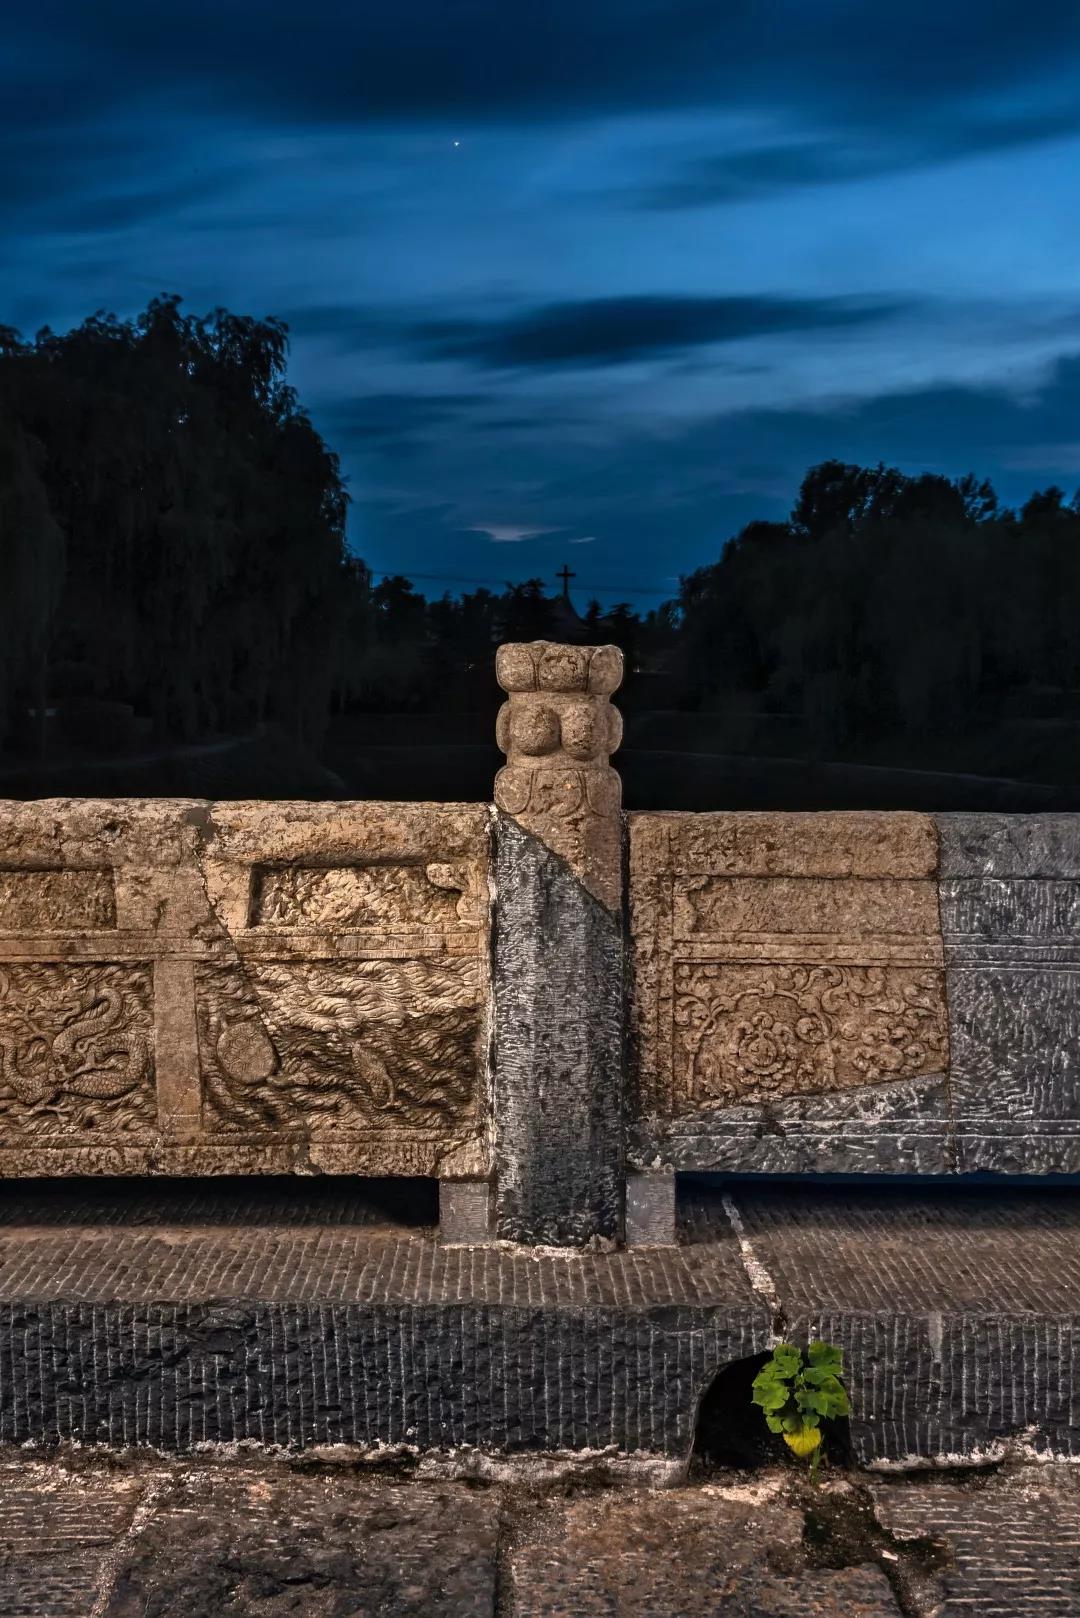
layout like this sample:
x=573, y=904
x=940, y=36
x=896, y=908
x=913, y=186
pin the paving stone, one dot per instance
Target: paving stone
x=56, y=1530
x=692, y=1553
x=1013, y=1542
x=230, y=1546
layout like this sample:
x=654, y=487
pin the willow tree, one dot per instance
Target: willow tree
x=31, y=570
x=202, y=515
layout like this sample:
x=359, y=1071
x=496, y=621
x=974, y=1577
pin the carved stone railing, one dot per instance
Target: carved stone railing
x=480, y=994
x=207, y=988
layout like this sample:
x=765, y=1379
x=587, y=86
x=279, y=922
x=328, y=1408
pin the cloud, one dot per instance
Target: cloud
x=490, y=61
x=619, y=331
x=503, y=533
x=779, y=166
x=393, y=415
x=651, y=499
x=586, y=539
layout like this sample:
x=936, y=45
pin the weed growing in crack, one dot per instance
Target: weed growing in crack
x=797, y=1391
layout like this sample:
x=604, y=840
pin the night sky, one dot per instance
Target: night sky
x=584, y=280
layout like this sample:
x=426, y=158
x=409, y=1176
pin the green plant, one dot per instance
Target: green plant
x=798, y=1391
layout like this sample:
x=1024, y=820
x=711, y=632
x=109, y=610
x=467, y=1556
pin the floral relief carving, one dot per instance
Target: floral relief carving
x=753, y=1033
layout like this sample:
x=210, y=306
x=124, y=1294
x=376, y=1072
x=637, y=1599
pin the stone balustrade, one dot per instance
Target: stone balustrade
x=549, y=1005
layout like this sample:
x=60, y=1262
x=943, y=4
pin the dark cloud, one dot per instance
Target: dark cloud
x=618, y=331
x=401, y=415
x=490, y=59
x=767, y=170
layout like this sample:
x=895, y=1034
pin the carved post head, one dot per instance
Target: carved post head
x=558, y=731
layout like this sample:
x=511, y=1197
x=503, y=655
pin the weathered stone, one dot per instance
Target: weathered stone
x=694, y=1553
x=215, y=988
x=650, y=1210
x=1010, y=906
x=220, y=1541
x=1011, y=1547
x=558, y=988
x=957, y=1311
x=781, y=957
x=152, y=1325
x=465, y=1211
x=558, y=730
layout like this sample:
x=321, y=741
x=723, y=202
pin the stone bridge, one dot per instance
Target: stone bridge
x=553, y=1008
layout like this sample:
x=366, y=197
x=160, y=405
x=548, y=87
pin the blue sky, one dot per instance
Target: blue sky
x=591, y=282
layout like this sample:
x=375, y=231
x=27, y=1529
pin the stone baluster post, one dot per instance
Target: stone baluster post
x=558, y=970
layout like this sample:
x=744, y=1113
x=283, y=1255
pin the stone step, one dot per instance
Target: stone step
x=178, y=1315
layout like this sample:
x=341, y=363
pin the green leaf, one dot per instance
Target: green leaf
x=786, y=1360
x=826, y=1357
x=771, y=1395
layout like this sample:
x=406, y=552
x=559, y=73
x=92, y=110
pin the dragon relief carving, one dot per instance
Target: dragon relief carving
x=756, y=1033
x=75, y=1051
x=369, y=1046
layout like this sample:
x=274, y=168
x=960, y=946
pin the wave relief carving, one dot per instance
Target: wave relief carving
x=340, y=1047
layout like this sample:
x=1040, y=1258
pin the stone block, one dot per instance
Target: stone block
x=1010, y=907
x=558, y=974
x=198, y=988
x=650, y=1210
x=788, y=1003
x=465, y=1211
x=558, y=990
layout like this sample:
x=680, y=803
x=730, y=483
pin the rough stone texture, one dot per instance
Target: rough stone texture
x=1010, y=905
x=226, y=1544
x=465, y=1210
x=958, y=1311
x=56, y=1532
x=254, y=1536
x=1013, y=1544
x=558, y=730
x=189, y=987
x=959, y=1315
x=558, y=1066
x=695, y=1554
x=650, y=1210
x=336, y=1332
x=788, y=1001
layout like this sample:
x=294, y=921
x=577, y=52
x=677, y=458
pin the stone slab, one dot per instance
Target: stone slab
x=299, y=1334
x=206, y=988
x=788, y=1003
x=959, y=1315
x=1010, y=907
x=1013, y=1543
x=694, y=1553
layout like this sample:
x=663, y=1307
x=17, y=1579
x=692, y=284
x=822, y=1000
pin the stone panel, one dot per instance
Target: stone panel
x=789, y=1000
x=59, y=900
x=1010, y=906
x=76, y=1053
x=189, y=987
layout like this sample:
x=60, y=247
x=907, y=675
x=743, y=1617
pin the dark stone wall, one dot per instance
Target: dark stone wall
x=558, y=994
